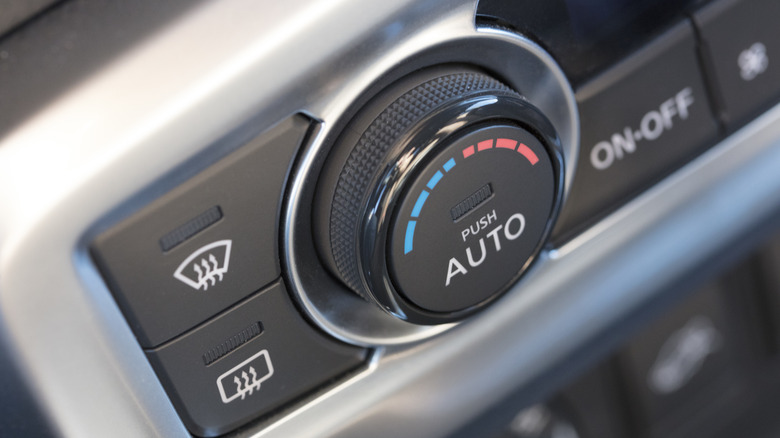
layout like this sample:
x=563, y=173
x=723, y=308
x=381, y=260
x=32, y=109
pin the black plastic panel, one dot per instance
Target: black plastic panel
x=639, y=120
x=586, y=36
x=705, y=368
x=678, y=367
x=742, y=40
x=266, y=355
x=220, y=230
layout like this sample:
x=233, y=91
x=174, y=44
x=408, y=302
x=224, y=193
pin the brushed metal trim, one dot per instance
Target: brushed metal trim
x=84, y=155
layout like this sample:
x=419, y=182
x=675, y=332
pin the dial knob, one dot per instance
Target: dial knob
x=438, y=195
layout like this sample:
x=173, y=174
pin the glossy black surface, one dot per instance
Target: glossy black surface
x=447, y=265
x=587, y=36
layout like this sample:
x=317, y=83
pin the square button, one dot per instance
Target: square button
x=206, y=244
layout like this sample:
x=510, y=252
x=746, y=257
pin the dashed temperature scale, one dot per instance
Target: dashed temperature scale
x=471, y=219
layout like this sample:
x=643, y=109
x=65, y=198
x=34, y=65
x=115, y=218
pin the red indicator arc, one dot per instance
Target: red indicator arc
x=484, y=145
x=502, y=143
x=528, y=153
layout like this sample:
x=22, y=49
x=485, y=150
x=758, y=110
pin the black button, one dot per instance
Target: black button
x=743, y=43
x=205, y=245
x=472, y=219
x=683, y=363
x=640, y=120
x=247, y=362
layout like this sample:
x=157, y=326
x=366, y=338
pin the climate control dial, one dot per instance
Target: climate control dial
x=471, y=218
x=438, y=195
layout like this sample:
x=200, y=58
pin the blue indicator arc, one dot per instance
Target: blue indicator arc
x=418, y=205
x=409, y=239
x=449, y=165
x=435, y=179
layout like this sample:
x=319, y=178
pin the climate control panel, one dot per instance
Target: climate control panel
x=278, y=269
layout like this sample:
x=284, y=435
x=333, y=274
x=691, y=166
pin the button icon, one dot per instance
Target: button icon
x=753, y=61
x=245, y=378
x=206, y=266
x=540, y=421
x=683, y=355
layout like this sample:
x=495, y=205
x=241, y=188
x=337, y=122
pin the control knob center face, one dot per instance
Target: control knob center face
x=471, y=219
x=438, y=194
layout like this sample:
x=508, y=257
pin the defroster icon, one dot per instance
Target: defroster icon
x=245, y=378
x=206, y=266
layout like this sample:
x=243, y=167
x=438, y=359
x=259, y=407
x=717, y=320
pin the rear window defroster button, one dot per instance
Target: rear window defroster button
x=247, y=362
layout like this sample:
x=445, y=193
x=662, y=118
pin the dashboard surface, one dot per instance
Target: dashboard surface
x=96, y=128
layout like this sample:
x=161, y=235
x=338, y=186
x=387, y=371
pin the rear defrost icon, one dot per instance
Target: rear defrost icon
x=206, y=266
x=245, y=378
